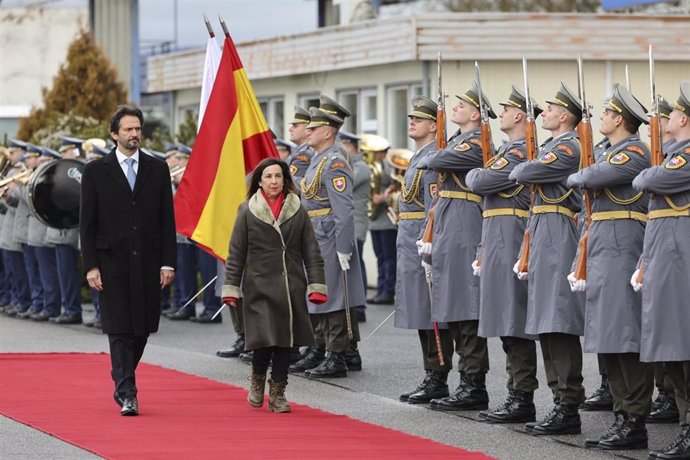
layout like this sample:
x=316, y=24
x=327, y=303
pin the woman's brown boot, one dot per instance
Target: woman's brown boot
x=256, y=389
x=276, y=397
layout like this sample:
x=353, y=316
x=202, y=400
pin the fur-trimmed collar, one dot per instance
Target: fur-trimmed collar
x=259, y=208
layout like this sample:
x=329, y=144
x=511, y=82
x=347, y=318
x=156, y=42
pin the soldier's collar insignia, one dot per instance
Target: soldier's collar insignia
x=339, y=183
x=499, y=164
x=619, y=159
x=676, y=163
x=549, y=158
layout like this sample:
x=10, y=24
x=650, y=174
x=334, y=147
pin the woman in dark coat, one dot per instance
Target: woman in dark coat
x=271, y=248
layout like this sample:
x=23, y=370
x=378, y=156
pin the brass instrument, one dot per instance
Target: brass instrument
x=5, y=160
x=88, y=145
x=370, y=144
x=176, y=171
x=399, y=159
x=22, y=178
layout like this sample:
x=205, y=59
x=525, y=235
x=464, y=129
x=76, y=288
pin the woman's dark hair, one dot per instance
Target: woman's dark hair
x=288, y=186
x=121, y=111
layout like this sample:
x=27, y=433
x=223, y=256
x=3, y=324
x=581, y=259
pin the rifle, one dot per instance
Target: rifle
x=428, y=235
x=487, y=150
x=531, y=142
x=584, y=131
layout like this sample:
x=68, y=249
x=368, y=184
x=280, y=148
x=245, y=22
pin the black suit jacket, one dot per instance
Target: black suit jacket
x=128, y=235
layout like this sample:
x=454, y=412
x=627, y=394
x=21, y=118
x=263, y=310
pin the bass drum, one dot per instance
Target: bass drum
x=54, y=193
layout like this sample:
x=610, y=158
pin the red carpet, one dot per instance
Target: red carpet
x=69, y=396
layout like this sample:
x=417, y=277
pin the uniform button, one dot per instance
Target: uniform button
x=134, y=253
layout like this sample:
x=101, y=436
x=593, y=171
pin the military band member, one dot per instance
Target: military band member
x=327, y=196
x=284, y=148
x=301, y=157
x=554, y=312
x=666, y=287
x=457, y=233
x=503, y=298
x=5, y=277
x=613, y=310
x=412, y=302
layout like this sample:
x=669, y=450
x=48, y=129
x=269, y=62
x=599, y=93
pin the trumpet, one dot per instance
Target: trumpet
x=370, y=144
x=176, y=171
x=22, y=178
x=399, y=159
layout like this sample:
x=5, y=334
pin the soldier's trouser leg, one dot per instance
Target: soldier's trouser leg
x=429, y=351
x=67, y=258
x=318, y=323
x=34, y=276
x=208, y=269
x=20, y=281
x=335, y=330
x=631, y=383
x=237, y=317
x=602, y=365
x=472, y=350
x=360, y=248
x=679, y=372
x=521, y=363
x=661, y=378
x=562, y=355
x=185, y=274
x=47, y=266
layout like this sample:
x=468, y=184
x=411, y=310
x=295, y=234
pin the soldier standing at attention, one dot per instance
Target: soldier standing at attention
x=457, y=233
x=327, y=196
x=554, y=312
x=503, y=307
x=613, y=310
x=666, y=287
x=300, y=158
x=412, y=302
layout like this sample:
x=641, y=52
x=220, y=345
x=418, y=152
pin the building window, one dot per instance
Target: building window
x=273, y=109
x=362, y=105
x=399, y=98
x=308, y=100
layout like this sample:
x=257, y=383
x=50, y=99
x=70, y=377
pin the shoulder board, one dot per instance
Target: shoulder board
x=676, y=163
x=619, y=159
x=462, y=147
x=565, y=148
x=475, y=141
x=517, y=152
x=549, y=158
x=635, y=149
x=338, y=164
x=500, y=164
x=687, y=150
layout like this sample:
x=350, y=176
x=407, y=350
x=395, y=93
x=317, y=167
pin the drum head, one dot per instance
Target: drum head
x=54, y=193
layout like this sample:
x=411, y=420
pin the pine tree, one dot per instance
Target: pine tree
x=186, y=132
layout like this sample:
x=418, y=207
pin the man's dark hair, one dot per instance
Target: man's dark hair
x=288, y=186
x=121, y=111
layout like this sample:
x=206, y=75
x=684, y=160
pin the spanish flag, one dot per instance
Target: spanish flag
x=232, y=140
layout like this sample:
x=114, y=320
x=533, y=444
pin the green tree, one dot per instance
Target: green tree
x=86, y=85
x=186, y=132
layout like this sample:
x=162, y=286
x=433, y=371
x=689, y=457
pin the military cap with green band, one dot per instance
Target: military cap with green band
x=423, y=107
x=471, y=96
x=665, y=108
x=321, y=118
x=568, y=100
x=625, y=104
x=518, y=100
x=683, y=102
x=301, y=116
x=328, y=105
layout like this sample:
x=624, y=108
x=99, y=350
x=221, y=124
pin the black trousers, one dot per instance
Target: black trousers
x=562, y=355
x=125, y=352
x=521, y=363
x=472, y=349
x=679, y=373
x=281, y=361
x=631, y=383
x=427, y=340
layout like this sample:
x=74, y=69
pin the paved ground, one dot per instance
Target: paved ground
x=391, y=366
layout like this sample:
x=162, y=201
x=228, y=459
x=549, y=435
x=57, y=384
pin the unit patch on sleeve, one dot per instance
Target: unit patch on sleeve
x=293, y=169
x=339, y=183
x=549, y=158
x=676, y=163
x=565, y=148
x=500, y=164
x=462, y=147
x=619, y=159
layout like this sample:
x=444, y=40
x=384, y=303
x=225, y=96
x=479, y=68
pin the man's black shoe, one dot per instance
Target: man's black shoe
x=42, y=316
x=206, y=318
x=435, y=388
x=664, y=408
x=235, y=350
x=517, y=408
x=382, y=299
x=632, y=435
x=405, y=396
x=679, y=449
x=130, y=406
x=67, y=319
x=27, y=314
x=564, y=420
x=246, y=356
x=470, y=395
x=181, y=315
x=353, y=360
x=617, y=425
x=311, y=360
x=117, y=399
x=601, y=399
x=95, y=323
x=332, y=367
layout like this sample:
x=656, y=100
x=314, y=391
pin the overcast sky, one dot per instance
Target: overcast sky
x=246, y=19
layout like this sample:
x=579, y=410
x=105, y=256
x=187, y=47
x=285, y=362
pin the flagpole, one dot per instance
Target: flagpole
x=225, y=28
x=208, y=27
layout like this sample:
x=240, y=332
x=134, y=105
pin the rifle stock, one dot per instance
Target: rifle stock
x=487, y=150
x=655, y=140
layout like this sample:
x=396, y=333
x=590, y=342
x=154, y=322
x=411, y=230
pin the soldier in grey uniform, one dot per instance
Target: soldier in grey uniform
x=666, y=287
x=457, y=233
x=300, y=158
x=327, y=196
x=503, y=298
x=612, y=309
x=412, y=301
x=554, y=312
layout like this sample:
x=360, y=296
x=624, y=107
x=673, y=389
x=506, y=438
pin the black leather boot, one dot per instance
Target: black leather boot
x=471, y=395
x=601, y=399
x=679, y=449
x=619, y=419
x=518, y=408
x=332, y=367
x=403, y=397
x=564, y=420
x=311, y=360
x=235, y=350
x=664, y=408
x=352, y=359
x=436, y=387
x=632, y=435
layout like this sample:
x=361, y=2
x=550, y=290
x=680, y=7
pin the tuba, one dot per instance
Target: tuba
x=370, y=144
x=399, y=159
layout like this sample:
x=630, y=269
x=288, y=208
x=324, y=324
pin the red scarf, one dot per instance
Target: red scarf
x=277, y=204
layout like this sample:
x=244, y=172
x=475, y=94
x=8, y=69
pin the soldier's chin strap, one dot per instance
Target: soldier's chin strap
x=375, y=329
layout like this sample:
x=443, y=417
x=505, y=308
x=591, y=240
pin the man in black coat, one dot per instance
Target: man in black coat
x=127, y=231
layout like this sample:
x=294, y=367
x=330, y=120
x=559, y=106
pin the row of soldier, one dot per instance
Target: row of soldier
x=460, y=284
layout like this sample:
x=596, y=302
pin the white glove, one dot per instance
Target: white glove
x=633, y=281
x=427, y=272
x=344, y=260
x=423, y=249
x=575, y=284
x=522, y=276
x=476, y=268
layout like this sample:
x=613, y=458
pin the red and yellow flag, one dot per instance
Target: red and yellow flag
x=232, y=140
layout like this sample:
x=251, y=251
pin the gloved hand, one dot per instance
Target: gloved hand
x=427, y=272
x=476, y=268
x=633, y=281
x=522, y=276
x=318, y=298
x=423, y=249
x=576, y=285
x=344, y=260
x=231, y=301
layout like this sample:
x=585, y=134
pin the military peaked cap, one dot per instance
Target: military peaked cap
x=423, y=107
x=471, y=96
x=517, y=99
